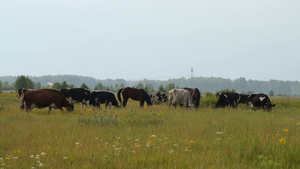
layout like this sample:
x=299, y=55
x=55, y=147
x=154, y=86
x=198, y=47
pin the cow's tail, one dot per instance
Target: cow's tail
x=119, y=95
x=17, y=95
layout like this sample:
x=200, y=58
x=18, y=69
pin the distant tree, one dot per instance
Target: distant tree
x=149, y=88
x=64, y=85
x=271, y=93
x=23, y=82
x=161, y=89
x=0, y=86
x=140, y=86
x=37, y=85
x=99, y=86
x=57, y=86
x=7, y=87
x=170, y=86
x=226, y=91
x=83, y=85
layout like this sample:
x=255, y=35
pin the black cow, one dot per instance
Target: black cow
x=77, y=95
x=101, y=97
x=227, y=100
x=260, y=101
x=196, y=95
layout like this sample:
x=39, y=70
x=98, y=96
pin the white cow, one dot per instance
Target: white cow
x=181, y=97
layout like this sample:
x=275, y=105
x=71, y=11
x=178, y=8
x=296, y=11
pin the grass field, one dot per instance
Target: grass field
x=150, y=137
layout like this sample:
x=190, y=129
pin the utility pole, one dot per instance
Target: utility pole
x=192, y=71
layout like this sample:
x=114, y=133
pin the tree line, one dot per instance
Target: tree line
x=204, y=84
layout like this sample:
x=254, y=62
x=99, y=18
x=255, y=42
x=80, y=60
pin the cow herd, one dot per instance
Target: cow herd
x=187, y=97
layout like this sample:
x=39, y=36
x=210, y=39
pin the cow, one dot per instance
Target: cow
x=227, y=100
x=158, y=97
x=260, y=101
x=77, y=95
x=180, y=97
x=100, y=97
x=196, y=96
x=41, y=98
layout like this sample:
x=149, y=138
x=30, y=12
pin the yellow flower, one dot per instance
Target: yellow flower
x=192, y=142
x=285, y=130
x=282, y=140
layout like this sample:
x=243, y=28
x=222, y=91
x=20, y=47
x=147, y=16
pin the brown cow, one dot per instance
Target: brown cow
x=42, y=98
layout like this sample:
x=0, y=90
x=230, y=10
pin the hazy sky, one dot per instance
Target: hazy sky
x=156, y=39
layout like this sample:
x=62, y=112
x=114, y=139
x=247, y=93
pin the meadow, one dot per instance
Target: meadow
x=151, y=137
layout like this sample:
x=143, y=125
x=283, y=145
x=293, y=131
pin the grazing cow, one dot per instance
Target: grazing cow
x=196, y=96
x=77, y=95
x=227, y=100
x=158, y=97
x=42, y=98
x=260, y=101
x=135, y=94
x=100, y=97
x=181, y=97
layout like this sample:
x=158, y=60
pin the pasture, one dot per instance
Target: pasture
x=150, y=137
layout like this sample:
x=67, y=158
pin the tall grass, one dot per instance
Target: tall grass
x=150, y=137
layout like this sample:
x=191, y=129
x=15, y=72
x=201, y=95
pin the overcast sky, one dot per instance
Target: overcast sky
x=156, y=39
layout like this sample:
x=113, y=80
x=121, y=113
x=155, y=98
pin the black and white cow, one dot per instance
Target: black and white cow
x=101, y=97
x=260, y=101
x=158, y=97
x=77, y=95
x=227, y=100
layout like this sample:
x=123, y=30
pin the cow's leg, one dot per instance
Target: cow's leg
x=49, y=110
x=142, y=103
x=125, y=102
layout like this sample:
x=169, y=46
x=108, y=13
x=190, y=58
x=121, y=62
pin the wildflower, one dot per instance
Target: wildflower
x=175, y=145
x=220, y=132
x=43, y=154
x=116, y=116
x=282, y=140
x=96, y=138
x=171, y=151
x=218, y=139
x=192, y=142
x=32, y=156
x=41, y=165
x=285, y=130
x=298, y=124
x=137, y=140
x=15, y=158
x=1, y=159
x=77, y=143
x=65, y=158
x=153, y=136
x=137, y=145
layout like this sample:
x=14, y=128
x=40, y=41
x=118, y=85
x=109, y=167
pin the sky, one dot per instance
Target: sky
x=156, y=40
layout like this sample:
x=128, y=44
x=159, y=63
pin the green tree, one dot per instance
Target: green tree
x=271, y=93
x=37, y=85
x=162, y=89
x=170, y=86
x=99, y=86
x=140, y=86
x=83, y=85
x=149, y=88
x=0, y=86
x=23, y=82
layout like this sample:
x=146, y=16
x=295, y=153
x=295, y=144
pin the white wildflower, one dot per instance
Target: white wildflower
x=153, y=136
x=43, y=153
x=220, y=132
x=65, y=158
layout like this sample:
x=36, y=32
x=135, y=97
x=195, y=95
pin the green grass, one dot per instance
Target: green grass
x=150, y=137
